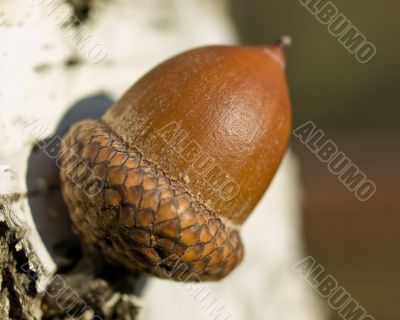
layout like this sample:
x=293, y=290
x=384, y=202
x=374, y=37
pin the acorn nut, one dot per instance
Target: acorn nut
x=164, y=180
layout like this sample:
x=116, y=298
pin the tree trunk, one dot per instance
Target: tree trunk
x=62, y=61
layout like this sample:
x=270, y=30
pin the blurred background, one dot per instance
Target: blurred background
x=357, y=106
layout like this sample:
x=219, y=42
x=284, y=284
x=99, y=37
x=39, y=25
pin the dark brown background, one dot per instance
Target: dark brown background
x=356, y=105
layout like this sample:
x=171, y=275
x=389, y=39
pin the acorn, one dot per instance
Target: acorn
x=162, y=183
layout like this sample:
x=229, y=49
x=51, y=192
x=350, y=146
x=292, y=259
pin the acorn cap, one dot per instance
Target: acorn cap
x=216, y=120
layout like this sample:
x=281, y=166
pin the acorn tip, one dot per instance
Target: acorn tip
x=284, y=41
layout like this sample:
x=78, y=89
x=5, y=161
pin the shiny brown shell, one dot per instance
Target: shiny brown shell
x=180, y=161
x=217, y=119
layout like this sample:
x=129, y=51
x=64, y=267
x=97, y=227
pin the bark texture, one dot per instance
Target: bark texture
x=19, y=298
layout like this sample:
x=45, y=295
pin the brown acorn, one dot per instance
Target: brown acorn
x=164, y=180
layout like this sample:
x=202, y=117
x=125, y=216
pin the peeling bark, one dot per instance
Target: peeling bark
x=84, y=292
x=89, y=293
x=19, y=298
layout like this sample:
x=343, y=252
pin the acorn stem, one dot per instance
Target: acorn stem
x=284, y=41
